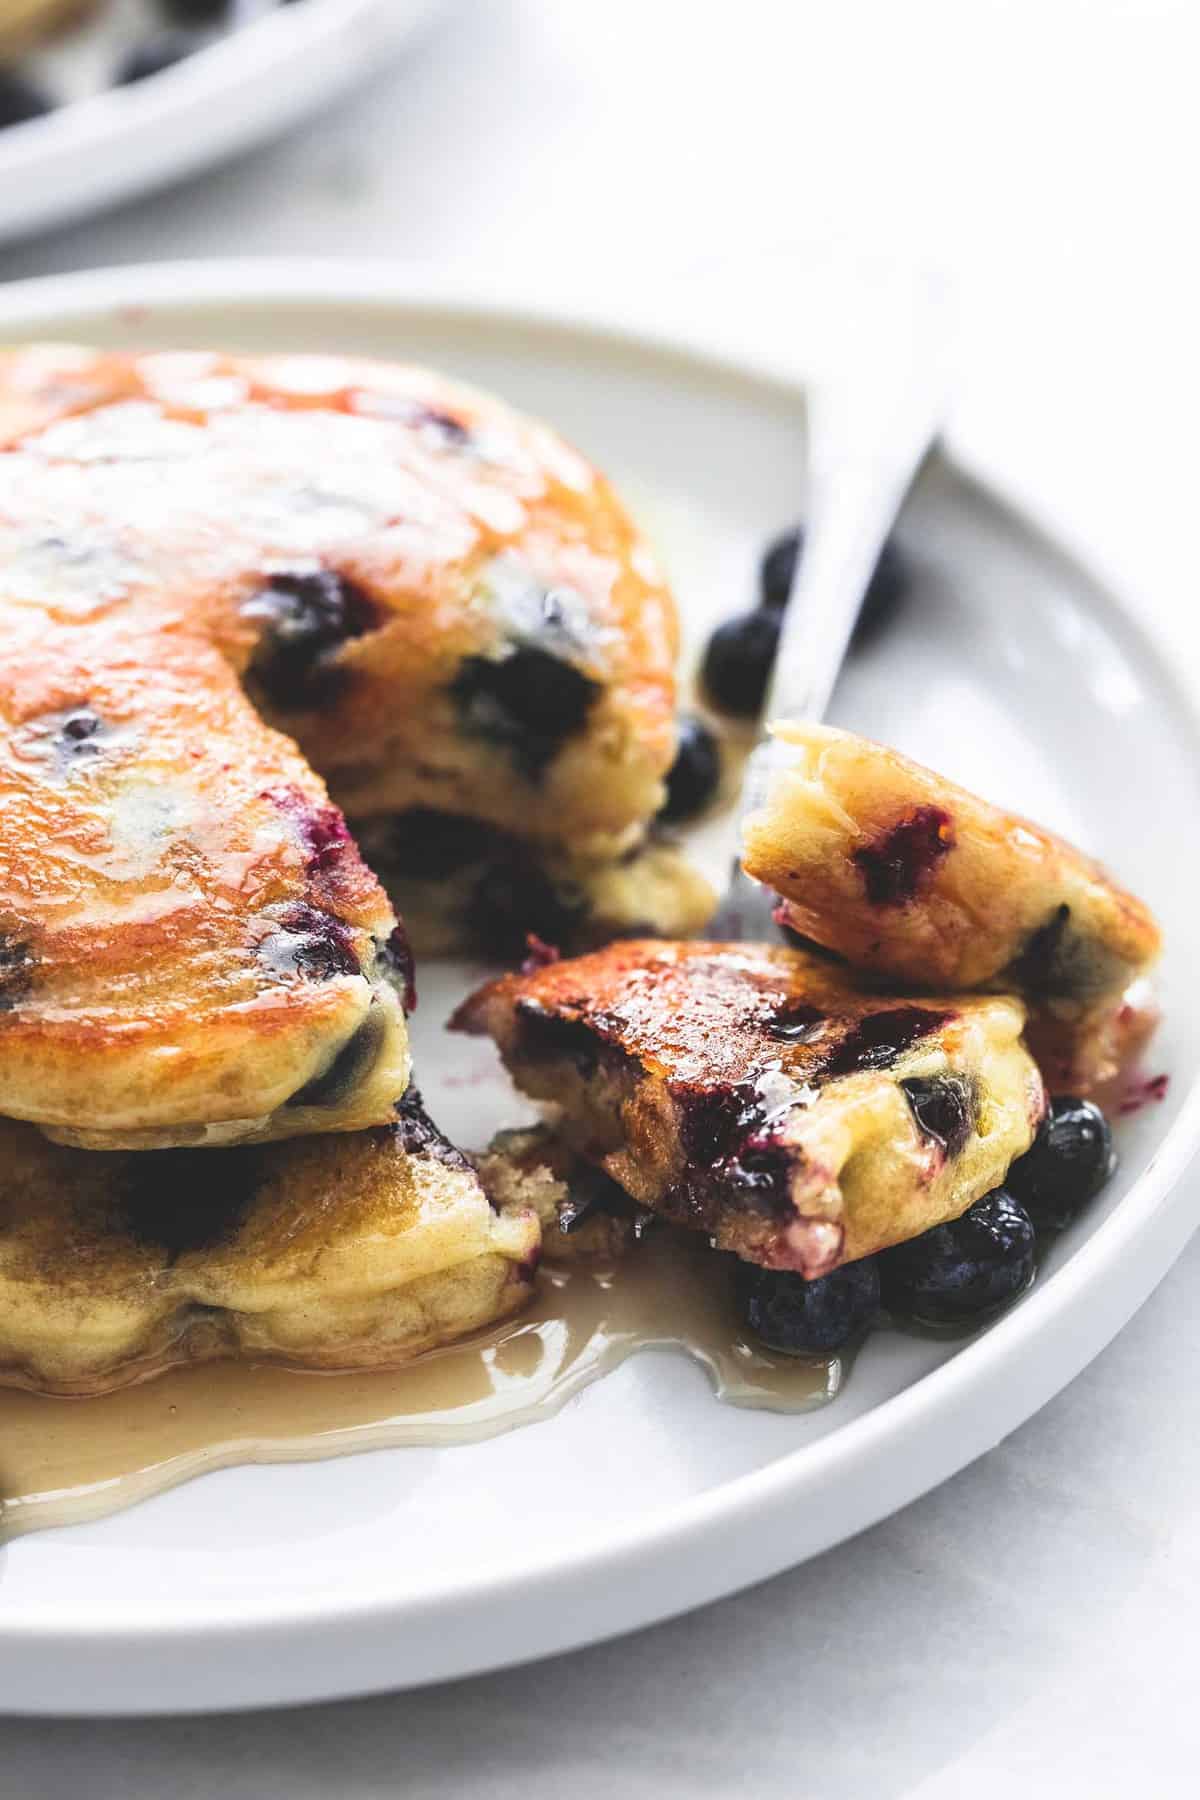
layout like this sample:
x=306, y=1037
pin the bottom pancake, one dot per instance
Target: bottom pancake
x=342, y=1252
x=766, y=1098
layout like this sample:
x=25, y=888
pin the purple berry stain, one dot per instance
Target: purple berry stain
x=898, y=863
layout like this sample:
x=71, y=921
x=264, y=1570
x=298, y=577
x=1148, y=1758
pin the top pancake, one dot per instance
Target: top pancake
x=438, y=602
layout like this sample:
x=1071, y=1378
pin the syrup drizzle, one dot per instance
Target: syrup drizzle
x=64, y=1461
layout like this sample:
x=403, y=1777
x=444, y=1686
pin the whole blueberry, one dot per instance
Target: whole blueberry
x=963, y=1270
x=20, y=99
x=738, y=661
x=152, y=56
x=693, y=777
x=303, y=620
x=195, y=12
x=1068, y=1163
x=885, y=589
x=802, y=1317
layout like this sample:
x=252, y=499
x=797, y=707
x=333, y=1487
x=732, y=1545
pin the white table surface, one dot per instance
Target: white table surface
x=1031, y=1624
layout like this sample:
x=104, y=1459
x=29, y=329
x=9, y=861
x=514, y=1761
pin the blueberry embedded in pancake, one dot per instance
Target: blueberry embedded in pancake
x=463, y=886
x=323, y=1252
x=914, y=880
x=763, y=1096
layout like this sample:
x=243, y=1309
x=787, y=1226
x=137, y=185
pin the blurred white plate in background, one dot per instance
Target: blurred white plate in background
x=107, y=144
x=1015, y=671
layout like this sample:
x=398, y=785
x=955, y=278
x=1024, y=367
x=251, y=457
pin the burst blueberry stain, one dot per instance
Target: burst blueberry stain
x=398, y=965
x=528, y=702
x=305, y=619
x=16, y=971
x=905, y=856
x=944, y=1107
x=417, y=1135
x=348, y=1068
x=80, y=738
x=880, y=1038
x=1055, y=961
x=310, y=943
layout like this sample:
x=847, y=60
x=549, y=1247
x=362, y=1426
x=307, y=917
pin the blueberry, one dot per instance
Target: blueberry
x=20, y=100
x=16, y=971
x=195, y=12
x=152, y=56
x=945, y=1108
x=530, y=702
x=305, y=619
x=309, y=942
x=1070, y=1160
x=963, y=1270
x=738, y=661
x=513, y=899
x=694, y=774
x=885, y=589
x=803, y=1317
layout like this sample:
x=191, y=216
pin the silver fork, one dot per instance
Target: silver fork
x=869, y=431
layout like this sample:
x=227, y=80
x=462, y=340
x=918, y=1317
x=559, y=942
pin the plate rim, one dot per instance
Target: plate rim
x=741, y=1530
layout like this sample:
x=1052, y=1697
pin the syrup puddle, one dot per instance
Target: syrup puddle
x=64, y=1461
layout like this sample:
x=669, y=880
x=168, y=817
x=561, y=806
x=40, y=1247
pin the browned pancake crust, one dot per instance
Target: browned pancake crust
x=915, y=880
x=760, y=1095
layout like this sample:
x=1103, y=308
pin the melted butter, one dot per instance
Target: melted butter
x=63, y=1461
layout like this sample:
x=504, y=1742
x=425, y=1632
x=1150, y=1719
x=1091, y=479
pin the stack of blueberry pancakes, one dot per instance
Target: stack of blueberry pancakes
x=216, y=577
x=295, y=644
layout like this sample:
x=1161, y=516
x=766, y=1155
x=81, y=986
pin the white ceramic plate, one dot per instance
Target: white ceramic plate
x=1013, y=671
x=107, y=144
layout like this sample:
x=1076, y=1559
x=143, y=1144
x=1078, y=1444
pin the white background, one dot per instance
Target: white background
x=1031, y=1625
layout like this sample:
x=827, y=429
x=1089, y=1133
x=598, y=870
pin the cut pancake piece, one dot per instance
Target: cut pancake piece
x=915, y=880
x=761, y=1095
x=324, y=1253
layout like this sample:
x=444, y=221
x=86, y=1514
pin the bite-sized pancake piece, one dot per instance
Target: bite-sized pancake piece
x=759, y=1094
x=323, y=1253
x=191, y=949
x=916, y=880
x=463, y=886
x=442, y=602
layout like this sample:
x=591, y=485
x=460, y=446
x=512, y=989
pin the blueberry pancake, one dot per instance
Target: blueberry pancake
x=915, y=880
x=324, y=1253
x=761, y=1095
